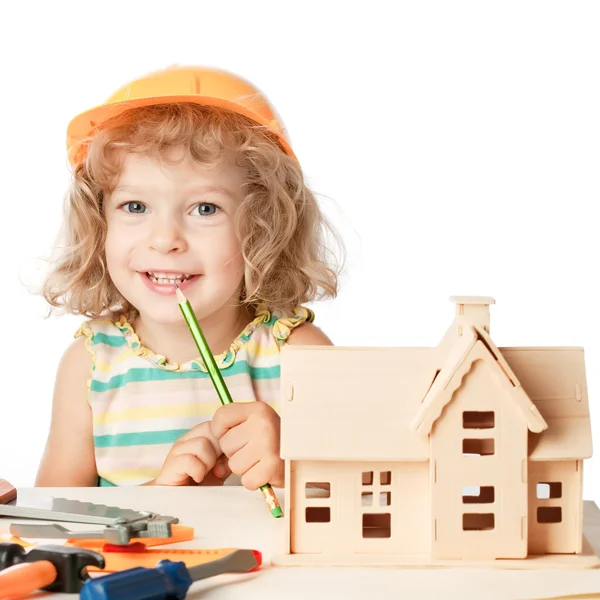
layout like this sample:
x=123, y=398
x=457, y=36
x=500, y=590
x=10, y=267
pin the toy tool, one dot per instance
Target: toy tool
x=120, y=525
x=52, y=568
x=123, y=558
x=167, y=580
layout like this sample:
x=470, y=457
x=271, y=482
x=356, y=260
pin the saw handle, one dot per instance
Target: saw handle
x=25, y=578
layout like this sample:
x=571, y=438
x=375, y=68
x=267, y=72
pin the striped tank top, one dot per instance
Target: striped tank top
x=141, y=402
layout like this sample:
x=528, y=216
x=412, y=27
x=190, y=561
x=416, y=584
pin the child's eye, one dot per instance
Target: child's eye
x=206, y=210
x=134, y=207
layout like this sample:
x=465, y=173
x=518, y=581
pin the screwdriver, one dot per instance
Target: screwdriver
x=168, y=580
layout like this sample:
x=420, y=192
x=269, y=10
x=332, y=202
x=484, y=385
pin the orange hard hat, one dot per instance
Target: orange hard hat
x=179, y=84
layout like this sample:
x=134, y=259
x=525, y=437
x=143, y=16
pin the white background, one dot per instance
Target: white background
x=456, y=145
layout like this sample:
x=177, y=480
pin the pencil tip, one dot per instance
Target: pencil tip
x=179, y=293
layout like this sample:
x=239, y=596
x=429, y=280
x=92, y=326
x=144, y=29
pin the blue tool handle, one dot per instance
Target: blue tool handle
x=167, y=581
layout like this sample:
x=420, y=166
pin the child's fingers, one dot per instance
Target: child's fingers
x=221, y=468
x=219, y=473
x=196, y=431
x=244, y=459
x=231, y=415
x=235, y=439
x=200, y=447
x=259, y=474
x=178, y=470
x=199, y=431
x=188, y=465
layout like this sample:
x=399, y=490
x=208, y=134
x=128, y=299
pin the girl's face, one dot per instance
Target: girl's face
x=170, y=223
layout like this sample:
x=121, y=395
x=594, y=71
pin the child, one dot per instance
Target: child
x=184, y=176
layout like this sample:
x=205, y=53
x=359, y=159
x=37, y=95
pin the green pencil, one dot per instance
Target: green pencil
x=217, y=379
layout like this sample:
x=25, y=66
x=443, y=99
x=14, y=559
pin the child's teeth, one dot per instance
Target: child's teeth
x=168, y=280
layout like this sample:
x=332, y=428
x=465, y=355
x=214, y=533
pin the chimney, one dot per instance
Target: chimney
x=474, y=310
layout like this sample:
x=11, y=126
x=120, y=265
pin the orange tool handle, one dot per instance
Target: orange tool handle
x=25, y=578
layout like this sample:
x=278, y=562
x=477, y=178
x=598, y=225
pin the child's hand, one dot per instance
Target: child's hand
x=195, y=458
x=248, y=434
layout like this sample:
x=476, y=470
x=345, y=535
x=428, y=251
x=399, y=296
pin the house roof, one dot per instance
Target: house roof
x=474, y=344
x=353, y=404
x=555, y=380
x=360, y=403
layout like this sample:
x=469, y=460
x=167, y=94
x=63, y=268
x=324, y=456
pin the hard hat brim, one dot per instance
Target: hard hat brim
x=83, y=125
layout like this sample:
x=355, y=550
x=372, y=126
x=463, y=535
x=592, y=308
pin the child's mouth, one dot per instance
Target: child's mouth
x=168, y=278
x=164, y=283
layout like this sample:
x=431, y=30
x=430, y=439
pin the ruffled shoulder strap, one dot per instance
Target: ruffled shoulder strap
x=100, y=331
x=282, y=325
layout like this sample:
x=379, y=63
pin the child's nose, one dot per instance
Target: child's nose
x=167, y=236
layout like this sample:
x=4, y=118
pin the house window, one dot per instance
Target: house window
x=546, y=490
x=473, y=419
x=376, y=525
x=478, y=495
x=376, y=494
x=318, y=490
x=549, y=514
x=367, y=478
x=371, y=492
x=318, y=514
x=478, y=447
x=473, y=495
x=478, y=521
x=385, y=499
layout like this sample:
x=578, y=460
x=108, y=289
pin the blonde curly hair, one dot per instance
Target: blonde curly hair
x=281, y=229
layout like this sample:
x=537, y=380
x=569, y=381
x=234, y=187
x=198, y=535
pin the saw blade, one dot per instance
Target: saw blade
x=50, y=508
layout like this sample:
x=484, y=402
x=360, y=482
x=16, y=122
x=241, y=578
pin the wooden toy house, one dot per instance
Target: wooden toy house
x=461, y=452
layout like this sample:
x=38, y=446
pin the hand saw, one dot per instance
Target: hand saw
x=120, y=524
